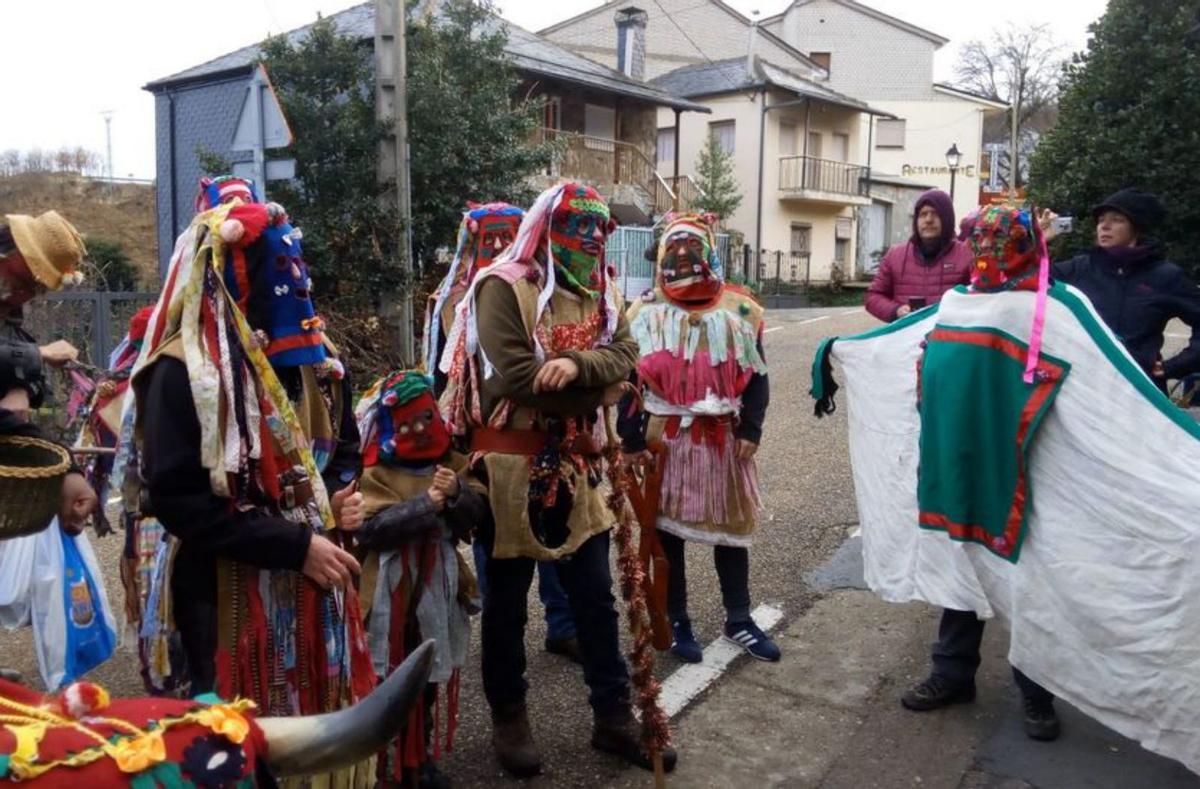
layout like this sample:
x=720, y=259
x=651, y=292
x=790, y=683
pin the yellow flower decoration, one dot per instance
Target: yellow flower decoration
x=138, y=753
x=225, y=720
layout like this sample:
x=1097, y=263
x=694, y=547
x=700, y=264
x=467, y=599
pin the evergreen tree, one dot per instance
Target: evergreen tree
x=714, y=174
x=1127, y=116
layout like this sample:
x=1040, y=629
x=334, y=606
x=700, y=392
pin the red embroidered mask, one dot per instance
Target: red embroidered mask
x=688, y=268
x=410, y=425
x=493, y=233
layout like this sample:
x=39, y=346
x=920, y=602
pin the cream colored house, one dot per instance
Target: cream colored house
x=806, y=139
x=889, y=62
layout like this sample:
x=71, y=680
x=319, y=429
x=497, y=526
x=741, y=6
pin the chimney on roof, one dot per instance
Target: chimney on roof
x=631, y=42
x=753, y=39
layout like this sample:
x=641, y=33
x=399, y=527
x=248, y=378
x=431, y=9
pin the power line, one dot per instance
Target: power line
x=695, y=46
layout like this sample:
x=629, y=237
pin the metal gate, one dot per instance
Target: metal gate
x=626, y=252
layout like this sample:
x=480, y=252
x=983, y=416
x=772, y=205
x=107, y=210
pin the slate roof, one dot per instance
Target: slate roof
x=528, y=52
x=727, y=76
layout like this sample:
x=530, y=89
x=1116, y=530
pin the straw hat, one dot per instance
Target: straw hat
x=51, y=246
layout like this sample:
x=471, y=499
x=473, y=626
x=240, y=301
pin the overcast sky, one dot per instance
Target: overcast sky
x=70, y=60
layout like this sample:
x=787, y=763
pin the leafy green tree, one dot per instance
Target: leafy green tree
x=325, y=83
x=714, y=174
x=1127, y=116
x=471, y=137
x=114, y=268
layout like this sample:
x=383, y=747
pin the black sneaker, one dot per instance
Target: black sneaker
x=936, y=692
x=1041, y=721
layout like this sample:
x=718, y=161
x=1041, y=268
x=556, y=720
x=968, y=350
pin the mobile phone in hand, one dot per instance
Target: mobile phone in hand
x=1063, y=224
x=916, y=303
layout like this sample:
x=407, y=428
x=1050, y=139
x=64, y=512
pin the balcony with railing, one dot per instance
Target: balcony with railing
x=822, y=181
x=620, y=170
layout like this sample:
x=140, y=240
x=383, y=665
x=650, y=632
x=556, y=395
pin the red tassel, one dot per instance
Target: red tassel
x=252, y=647
x=437, y=723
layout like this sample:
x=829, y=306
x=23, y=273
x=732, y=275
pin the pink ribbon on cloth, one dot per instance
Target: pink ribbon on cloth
x=1039, y=311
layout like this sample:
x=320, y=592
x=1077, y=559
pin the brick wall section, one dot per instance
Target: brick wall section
x=870, y=59
x=719, y=35
x=206, y=115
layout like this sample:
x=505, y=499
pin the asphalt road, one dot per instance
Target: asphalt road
x=809, y=501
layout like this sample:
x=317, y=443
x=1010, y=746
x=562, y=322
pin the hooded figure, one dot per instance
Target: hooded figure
x=483, y=235
x=539, y=345
x=415, y=583
x=914, y=274
x=704, y=400
x=244, y=432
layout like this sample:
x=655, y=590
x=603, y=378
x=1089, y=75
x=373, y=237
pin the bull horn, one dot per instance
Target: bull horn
x=315, y=744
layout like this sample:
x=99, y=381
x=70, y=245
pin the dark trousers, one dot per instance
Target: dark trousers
x=586, y=578
x=956, y=654
x=733, y=574
x=560, y=624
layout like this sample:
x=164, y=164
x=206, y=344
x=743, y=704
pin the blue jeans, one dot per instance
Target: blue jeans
x=560, y=623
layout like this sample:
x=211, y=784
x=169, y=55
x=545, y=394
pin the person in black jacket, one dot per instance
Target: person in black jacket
x=228, y=453
x=1132, y=285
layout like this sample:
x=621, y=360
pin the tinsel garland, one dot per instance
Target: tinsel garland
x=656, y=727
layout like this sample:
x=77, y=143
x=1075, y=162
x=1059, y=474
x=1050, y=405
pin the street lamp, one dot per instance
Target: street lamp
x=953, y=157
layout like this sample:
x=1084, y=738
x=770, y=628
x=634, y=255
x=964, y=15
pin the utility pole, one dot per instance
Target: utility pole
x=108, y=164
x=1014, y=162
x=391, y=109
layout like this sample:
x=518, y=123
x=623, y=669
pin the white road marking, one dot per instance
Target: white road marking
x=797, y=323
x=689, y=681
x=853, y=311
x=856, y=533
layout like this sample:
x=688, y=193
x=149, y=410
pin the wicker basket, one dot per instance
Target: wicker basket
x=31, y=477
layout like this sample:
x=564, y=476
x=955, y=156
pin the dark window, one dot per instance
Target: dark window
x=820, y=58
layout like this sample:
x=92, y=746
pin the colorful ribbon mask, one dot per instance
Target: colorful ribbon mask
x=579, y=227
x=410, y=425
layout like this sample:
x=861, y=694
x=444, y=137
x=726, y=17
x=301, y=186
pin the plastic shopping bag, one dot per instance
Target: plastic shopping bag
x=72, y=622
x=16, y=574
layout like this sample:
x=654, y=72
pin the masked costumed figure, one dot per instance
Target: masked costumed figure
x=245, y=429
x=485, y=232
x=538, y=346
x=415, y=583
x=705, y=395
x=1008, y=457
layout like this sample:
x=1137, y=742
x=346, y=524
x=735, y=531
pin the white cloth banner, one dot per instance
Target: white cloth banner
x=1104, y=602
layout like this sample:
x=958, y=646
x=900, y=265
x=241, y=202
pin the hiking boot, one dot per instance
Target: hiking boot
x=512, y=739
x=1041, y=721
x=751, y=638
x=683, y=643
x=620, y=734
x=567, y=647
x=937, y=692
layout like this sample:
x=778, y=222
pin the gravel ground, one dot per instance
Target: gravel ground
x=809, y=504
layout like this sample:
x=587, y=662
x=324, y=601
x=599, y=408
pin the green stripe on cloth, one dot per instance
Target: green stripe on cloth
x=1109, y=346
x=978, y=420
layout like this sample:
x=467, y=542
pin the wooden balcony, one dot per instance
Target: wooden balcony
x=822, y=181
x=615, y=167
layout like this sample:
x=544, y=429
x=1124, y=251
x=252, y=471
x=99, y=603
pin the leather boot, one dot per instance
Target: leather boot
x=512, y=739
x=620, y=734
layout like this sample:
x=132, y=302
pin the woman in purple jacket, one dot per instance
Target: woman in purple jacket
x=916, y=273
